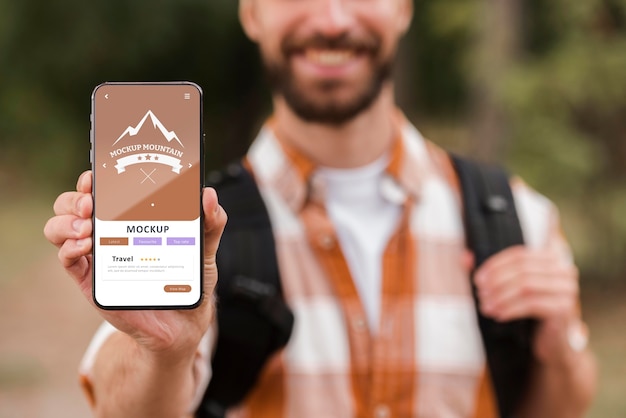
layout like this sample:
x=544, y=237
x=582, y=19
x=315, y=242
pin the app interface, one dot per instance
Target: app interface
x=146, y=143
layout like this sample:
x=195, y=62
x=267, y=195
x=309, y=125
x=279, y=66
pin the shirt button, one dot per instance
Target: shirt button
x=382, y=411
x=359, y=324
x=392, y=191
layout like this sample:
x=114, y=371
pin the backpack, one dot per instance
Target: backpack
x=254, y=320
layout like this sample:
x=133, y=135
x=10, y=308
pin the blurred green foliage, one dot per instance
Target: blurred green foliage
x=54, y=53
x=567, y=101
x=558, y=90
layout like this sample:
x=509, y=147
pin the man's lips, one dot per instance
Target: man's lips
x=329, y=57
x=330, y=52
x=320, y=63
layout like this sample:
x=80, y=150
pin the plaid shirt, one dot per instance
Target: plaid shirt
x=426, y=360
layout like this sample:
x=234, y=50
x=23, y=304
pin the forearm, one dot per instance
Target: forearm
x=129, y=381
x=562, y=390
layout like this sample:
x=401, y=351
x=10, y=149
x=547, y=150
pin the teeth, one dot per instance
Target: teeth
x=329, y=57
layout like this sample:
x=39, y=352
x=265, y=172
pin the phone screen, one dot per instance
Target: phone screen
x=147, y=168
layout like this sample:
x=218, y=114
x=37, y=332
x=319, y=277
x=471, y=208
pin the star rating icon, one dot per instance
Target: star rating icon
x=148, y=157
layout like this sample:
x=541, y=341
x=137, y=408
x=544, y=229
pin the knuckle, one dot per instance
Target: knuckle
x=526, y=288
x=62, y=255
x=47, y=229
x=58, y=205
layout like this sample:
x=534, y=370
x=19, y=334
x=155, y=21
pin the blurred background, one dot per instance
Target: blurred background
x=537, y=84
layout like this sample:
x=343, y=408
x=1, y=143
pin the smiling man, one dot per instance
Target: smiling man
x=330, y=70
x=369, y=241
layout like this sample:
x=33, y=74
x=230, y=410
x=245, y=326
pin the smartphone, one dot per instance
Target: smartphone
x=147, y=162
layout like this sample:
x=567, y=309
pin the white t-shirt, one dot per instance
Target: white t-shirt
x=365, y=217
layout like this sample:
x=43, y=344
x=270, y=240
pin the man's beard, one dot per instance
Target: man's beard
x=330, y=111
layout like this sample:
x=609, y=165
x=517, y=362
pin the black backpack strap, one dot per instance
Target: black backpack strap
x=491, y=225
x=253, y=319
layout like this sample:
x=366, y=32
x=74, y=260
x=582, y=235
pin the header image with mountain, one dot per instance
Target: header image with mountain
x=147, y=150
x=156, y=123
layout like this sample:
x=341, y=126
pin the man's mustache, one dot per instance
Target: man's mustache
x=363, y=44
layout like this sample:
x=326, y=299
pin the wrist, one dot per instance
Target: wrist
x=560, y=343
x=171, y=334
x=130, y=380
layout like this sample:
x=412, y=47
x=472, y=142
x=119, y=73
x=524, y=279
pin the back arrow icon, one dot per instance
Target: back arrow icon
x=106, y=96
x=104, y=165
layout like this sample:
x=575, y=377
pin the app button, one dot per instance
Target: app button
x=147, y=241
x=181, y=241
x=113, y=241
x=177, y=288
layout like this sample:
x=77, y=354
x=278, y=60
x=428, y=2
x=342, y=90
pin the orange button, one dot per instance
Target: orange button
x=114, y=241
x=177, y=288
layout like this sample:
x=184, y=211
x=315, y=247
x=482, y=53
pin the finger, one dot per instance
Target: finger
x=519, y=269
x=79, y=202
x=497, y=269
x=524, y=291
x=73, y=250
x=526, y=277
x=214, y=222
x=81, y=272
x=60, y=228
x=540, y=307
x=74, y=203
x=83, y=185
x=513, y=261
x=512, y=256
x=518, y=256
x=502, y=258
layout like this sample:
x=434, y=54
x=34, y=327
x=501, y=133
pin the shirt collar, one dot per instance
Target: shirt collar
x=289, y=174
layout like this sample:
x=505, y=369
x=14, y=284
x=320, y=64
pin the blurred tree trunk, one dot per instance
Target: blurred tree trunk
x=499, y=42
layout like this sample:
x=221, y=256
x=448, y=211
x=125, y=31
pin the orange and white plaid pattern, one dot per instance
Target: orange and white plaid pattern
x=426, y=360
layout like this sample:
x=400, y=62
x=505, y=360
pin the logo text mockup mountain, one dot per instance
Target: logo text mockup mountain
x=132, y=131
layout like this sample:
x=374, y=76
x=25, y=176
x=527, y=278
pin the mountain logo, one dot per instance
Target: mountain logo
x=134, y=130
x=149, y=153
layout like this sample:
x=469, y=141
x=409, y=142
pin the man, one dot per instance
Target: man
x=369, y=240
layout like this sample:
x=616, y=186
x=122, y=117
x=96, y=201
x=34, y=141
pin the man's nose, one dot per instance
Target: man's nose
x=334, y=17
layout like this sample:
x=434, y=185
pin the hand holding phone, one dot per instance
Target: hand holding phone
x=152, y=342
x=147, y=162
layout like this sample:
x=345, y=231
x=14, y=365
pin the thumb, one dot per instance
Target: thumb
x=214, y=223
